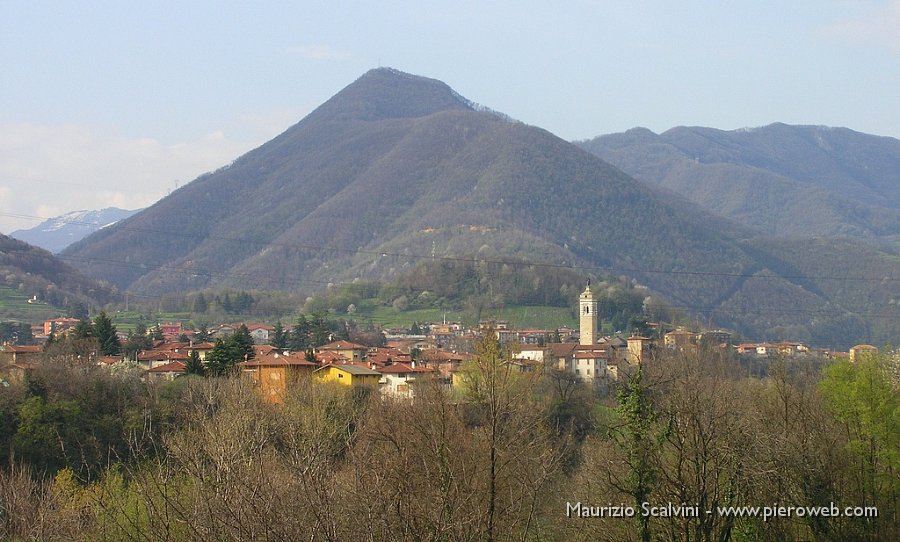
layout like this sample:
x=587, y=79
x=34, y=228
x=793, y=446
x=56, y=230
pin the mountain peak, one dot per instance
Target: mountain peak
x=385, y=93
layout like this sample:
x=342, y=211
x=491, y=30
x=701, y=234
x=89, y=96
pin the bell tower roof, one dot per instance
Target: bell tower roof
x=587, y=293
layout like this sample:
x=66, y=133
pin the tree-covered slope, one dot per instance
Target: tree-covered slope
x=782, y=180
x=35, y=273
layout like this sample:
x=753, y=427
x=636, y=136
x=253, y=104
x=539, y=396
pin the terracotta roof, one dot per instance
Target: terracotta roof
x=263, y=349
x=202, y=346
x=592, y=354
x=330, y=357
x=384, y=357
x=173, y=346
x=388, y=350
x=173, y=367
x=22, y=349
x=157, y=355
x=561, y=350
x=109, y=360
x=342, y=345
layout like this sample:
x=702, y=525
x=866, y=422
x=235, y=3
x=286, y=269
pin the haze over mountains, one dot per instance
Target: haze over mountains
x=396, y=169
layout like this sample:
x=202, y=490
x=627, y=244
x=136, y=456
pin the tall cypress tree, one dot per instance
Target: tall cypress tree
x=241, y=344
x=299, y=339
x=280, y=336
x=105, y=332
x=219, y=360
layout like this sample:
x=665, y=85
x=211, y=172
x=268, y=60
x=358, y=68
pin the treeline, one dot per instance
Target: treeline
x=213, y=305
x=101, y=456
x=463, y=285
x=16, y=333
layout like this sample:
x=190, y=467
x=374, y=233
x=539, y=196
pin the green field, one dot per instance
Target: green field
x=14, y=305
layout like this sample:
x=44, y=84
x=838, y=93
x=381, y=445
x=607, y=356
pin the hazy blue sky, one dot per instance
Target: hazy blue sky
x=112, y=103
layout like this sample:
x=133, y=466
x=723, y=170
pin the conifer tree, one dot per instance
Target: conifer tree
x=280, y=336
x=194, y=365
x=105, y=332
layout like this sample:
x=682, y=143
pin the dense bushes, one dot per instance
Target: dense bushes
x=498, y=459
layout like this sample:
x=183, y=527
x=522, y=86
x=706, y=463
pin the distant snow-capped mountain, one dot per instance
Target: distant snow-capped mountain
x=55, y=234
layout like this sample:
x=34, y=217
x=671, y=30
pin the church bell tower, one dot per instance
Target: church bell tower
x=587, y=309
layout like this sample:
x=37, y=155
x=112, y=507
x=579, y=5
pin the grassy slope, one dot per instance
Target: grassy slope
x=14, y=306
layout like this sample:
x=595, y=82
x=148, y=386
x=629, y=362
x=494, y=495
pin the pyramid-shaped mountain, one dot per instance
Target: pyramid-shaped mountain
x=397, y=168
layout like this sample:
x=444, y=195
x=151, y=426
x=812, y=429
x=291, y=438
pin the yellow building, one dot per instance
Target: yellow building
x=274, y=373
x=348, y=375
x=638, y=349
x=862, y=351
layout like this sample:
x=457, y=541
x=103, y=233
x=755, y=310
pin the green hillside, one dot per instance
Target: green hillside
x=28, y=272
x=14, y=305
x=781, y=180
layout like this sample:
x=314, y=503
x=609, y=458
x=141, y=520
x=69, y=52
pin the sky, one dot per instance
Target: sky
x=117, y=103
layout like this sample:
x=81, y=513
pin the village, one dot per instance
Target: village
x=437, y=352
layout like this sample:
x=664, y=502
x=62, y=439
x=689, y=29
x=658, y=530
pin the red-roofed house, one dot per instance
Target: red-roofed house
x=168, y=371
x=149, y=359
x=59, y=326
x=13, y=353
x=201, y=348
x=386, y=356
x=351, y=351
x=444, y=362
x=329, y=358
x=172, y=329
